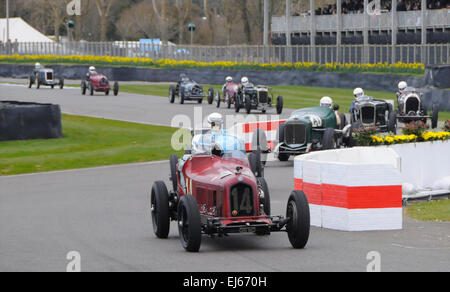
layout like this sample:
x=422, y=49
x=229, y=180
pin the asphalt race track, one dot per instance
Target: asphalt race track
x=103, y=213
x=125, y=106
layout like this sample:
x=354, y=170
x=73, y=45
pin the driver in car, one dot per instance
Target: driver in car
x=228, y=80
x=401, y=88
x=327, y=101
x=357, y=93
x=92, y=71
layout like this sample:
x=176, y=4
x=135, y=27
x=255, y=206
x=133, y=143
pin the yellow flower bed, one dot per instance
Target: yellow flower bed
x=400, y=139
x=169, y=63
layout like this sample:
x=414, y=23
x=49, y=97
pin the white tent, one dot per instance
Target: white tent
x=21, y=31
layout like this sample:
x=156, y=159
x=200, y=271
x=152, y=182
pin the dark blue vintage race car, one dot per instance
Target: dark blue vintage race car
x=188, y=89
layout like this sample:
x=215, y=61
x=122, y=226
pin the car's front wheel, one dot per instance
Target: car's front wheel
x=264, y=195
x=189, y=224
x=329, y=139
x=392, y=122
x=116, y=88
x=248, y=105
x=280, y=105
x=255, y=163
x=434, y=116
x=172, y=94
x=160, y=210
x=83, y=87
x=299, y=219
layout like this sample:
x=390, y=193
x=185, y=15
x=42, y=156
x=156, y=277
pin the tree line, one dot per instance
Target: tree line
x=218, y=22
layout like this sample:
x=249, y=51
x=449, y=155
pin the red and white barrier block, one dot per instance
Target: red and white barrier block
x=246, y=131
x=355, y=189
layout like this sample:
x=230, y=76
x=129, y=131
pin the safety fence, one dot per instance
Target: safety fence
x=411, y=53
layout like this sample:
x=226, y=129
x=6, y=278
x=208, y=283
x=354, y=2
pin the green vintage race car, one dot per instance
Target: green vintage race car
x=312, y=129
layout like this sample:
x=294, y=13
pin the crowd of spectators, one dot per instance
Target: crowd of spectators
x=357, y=6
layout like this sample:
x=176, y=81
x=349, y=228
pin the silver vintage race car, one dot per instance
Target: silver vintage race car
x=411, y=108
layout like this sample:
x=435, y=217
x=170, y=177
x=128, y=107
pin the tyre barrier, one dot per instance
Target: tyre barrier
x=26, y=121
x=356, y=189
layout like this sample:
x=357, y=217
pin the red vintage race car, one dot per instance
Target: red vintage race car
x=228, y=95
x=98, y=83
x=218, y=195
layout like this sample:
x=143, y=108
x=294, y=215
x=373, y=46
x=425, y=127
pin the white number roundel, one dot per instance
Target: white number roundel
x=316, y=121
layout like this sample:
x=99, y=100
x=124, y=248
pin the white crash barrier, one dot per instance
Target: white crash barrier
x=358, y=189
x=423, y=165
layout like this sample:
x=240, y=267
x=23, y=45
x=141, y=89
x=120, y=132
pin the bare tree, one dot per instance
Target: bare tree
x=162, y=19
x=104, y=9
x=57, y=8
x=183, y=10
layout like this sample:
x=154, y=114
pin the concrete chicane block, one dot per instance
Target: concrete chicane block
x=351, y=189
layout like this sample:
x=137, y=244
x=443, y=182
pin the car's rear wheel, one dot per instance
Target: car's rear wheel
x=52, y=86
x=38, y=84
x=189, y=224
x=299, y=223
x=255, y=163
x=434, y=116
x=160, y=210
x=61, y=84
x=329, y=139
x=116, y=88
x=30, y=82
x=280, y=105
x=107, y=92
x=173, y=172
x=264, y=195
x=172, y=94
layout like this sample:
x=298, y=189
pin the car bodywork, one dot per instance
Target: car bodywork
x=370, y=112
x=306, y=130
x=259, y=98
x=224, y=193
x=228, y=95
x=189, y=90
x=410, y=108
x=44, y=77
x=98, y=83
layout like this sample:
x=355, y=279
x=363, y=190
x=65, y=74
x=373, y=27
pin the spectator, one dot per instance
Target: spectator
x=401, y=5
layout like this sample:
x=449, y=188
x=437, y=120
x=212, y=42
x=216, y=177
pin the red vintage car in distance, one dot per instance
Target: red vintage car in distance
x=218, y=195
x=98, y=83
x=229, y=95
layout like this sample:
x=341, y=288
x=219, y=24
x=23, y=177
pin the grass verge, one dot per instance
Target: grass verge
x=430, y=211
x=87, y=142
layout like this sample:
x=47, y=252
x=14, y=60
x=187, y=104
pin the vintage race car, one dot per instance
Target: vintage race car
x=98, y=83
x=215, y=192
x=258, y=98
x=44, y=77
x=370, y=112
x=229, y=95
x=310, y=129
x=188, y=89
x=410, y=108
